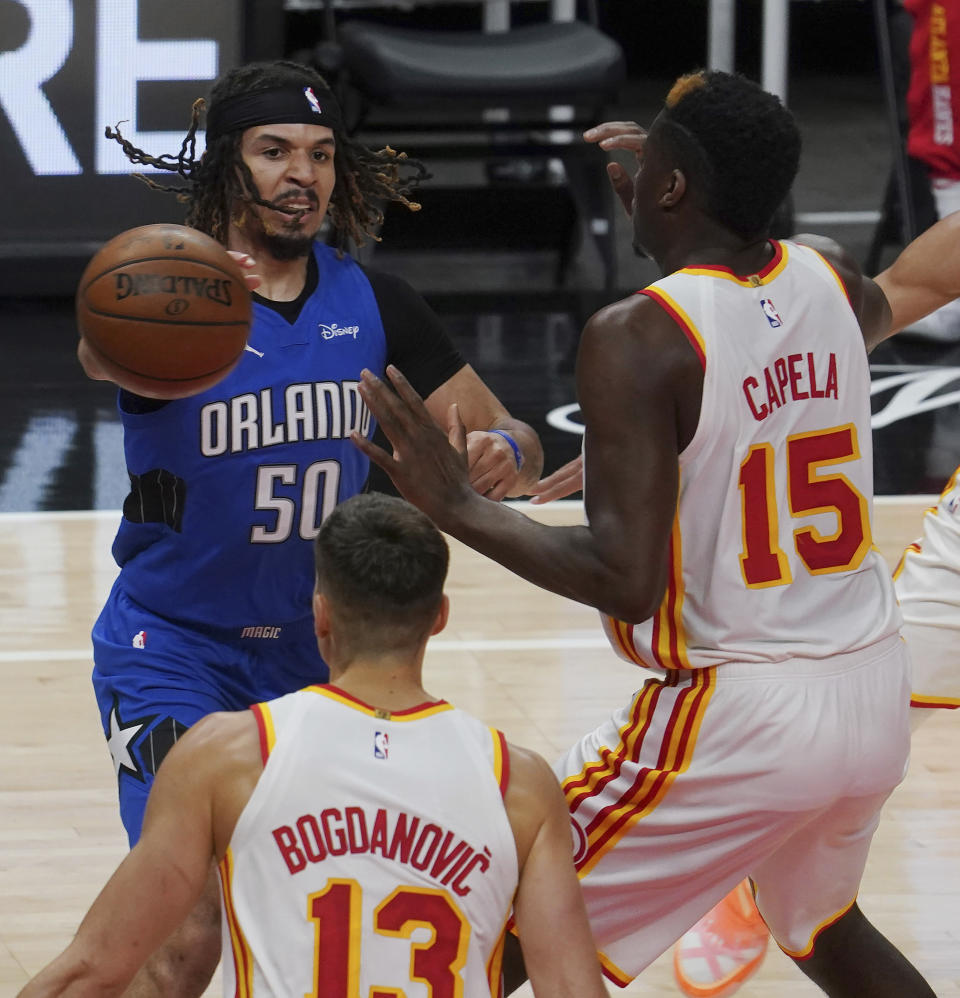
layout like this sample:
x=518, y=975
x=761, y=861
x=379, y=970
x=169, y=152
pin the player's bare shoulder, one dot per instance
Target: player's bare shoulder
x=839, y=258
x=233, y=730
x=639, y=338
x=533, y=798
x=635, y=315
x=639, y=328
x=226, y=746
x=223, y=756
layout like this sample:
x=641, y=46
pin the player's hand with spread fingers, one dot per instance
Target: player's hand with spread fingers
x=562, y=483
x=428, y=467
x=247, y=262
x=612, y=135
x=493, y=462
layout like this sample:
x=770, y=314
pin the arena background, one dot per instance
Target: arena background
x=69, y=67
x=485, y=252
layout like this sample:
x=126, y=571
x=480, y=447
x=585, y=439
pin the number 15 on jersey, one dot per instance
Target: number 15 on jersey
x=810, y=491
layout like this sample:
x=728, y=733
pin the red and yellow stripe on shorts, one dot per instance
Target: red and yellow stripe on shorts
x=668, y=641
x=612, y=793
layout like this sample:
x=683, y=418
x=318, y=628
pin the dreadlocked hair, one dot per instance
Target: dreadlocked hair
x=217, y=186
x=366, y=178
x=738, y=141
x=185, y=163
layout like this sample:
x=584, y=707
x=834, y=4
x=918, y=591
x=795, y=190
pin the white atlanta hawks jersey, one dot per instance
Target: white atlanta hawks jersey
x=771, y=554
x=374, y=858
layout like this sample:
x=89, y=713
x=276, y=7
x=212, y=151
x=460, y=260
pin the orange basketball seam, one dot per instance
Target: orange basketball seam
x=164, y=320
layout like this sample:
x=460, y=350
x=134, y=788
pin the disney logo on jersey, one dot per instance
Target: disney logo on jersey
x=771, y=313
x=333, y=330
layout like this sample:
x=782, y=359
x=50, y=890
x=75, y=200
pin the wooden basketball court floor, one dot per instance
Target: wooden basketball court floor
x=529, y=662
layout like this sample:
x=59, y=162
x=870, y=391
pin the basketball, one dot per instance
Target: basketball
x=164, y=310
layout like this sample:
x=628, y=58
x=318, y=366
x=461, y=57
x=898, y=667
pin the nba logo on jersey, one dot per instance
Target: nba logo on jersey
x=312, y=100
x=770, y=311
x=381, y=745
x=140, y=639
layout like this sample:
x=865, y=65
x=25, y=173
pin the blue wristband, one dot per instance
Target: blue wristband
x=517, y=453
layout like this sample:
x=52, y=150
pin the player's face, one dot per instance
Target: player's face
x=292, y=166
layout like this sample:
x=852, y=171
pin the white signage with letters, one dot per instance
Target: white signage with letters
x=121, y=60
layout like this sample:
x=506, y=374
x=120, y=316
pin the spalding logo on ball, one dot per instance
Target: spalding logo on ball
x=165, y=310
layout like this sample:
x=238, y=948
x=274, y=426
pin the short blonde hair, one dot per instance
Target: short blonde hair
x=683, y=86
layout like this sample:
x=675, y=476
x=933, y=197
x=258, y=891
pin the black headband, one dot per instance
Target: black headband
x=290, y=104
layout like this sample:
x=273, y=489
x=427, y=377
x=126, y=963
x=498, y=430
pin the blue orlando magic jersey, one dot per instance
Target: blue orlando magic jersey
x=229, y=487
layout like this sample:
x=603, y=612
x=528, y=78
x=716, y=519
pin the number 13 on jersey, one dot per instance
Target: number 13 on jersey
x=762, y=561
x=435, y=962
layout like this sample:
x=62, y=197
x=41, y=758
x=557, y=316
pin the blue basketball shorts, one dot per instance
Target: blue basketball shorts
x=155, y=677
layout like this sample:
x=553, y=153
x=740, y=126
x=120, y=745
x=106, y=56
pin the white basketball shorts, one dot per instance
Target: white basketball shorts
x=773, y=771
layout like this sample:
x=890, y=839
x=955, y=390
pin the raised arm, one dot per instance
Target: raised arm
x=558, y=947
x=925, y=275
x=636, y=371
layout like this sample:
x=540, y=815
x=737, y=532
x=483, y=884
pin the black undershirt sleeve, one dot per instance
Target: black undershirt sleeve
x=417, y=342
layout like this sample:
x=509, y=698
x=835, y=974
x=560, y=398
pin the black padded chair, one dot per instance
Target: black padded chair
x=491, y=96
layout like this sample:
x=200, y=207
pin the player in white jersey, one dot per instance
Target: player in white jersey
x=925, y=277
x=728, y=944
x=371, y=840
x=728, y=492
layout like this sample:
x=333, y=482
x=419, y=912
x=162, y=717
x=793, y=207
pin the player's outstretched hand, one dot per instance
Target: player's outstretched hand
x=428, y=467
x=613, y=135
x=563, y=482
x=492, y=463
x=247, y=262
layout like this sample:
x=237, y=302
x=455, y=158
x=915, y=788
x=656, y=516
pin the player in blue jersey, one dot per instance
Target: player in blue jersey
x=212, y=607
